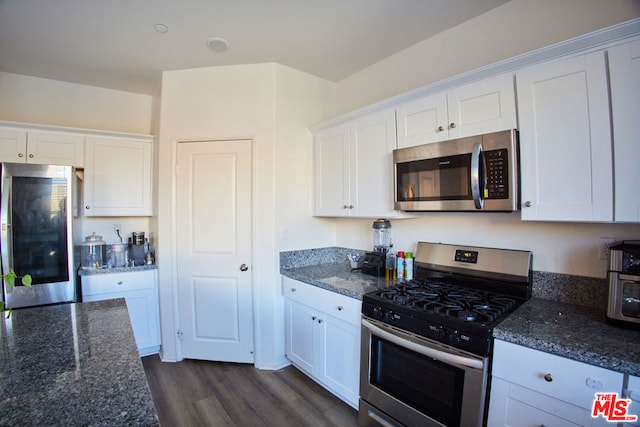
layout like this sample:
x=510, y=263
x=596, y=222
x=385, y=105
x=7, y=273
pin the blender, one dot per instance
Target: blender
x=374, y=263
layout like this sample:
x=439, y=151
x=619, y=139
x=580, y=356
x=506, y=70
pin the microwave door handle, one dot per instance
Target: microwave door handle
x=477, y=176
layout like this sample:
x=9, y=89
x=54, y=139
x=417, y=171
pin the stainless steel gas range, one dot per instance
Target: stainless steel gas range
x=426, y=343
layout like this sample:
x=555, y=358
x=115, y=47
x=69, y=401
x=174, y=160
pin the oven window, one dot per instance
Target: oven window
x=631, y=299
x=445, y=178
x=430, y=387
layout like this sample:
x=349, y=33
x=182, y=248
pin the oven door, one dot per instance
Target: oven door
x=406, y=380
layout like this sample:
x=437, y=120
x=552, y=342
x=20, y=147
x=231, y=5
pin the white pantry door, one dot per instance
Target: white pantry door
x=214, y=250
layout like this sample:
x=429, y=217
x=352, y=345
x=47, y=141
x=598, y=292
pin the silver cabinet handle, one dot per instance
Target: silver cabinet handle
x=548, y=378
x=452, y=125
x=31, y=156
x=528, y=204
x=293, y=289
x=20, y=155
x=119, y=282
x=313, y=317
x=440, y=128
x=243, y=267
x=319, y=320
x=340, y=308
x=87, y=207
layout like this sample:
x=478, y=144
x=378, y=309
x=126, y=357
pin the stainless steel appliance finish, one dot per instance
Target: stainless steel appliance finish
x=478, y=173
x=426, y=344
x=36, y=233
x=623, y=307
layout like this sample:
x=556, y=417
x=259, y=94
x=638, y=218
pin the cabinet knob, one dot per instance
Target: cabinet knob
x=87, y=207
x=528, y=204
x=20, y=155
x=313, y=317
x=350, y=206
x=319, y=320
x=440, y=128
x=548, y=378
x=244, y=267
x=31, y=156
x=340, y=308
x=293, y=289
x=452, y=125
x=119, y=282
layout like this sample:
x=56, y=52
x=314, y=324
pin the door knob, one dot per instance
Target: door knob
x=244, y=267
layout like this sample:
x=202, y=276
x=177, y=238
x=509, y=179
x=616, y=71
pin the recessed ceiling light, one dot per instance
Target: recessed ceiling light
x=217, y=44
x=161, y=28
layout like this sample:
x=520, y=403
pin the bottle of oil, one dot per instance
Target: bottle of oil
x=390, y=273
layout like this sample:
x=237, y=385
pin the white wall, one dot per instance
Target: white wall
x=514, y=28
x=51, y=102
x=273, y=106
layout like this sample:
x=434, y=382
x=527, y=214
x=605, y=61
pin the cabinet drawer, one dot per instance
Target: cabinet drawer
x=118, y=282
x=565, y=379
x=339, y=306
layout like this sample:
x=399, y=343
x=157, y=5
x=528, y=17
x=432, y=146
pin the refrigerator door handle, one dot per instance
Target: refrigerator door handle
x=5, y=225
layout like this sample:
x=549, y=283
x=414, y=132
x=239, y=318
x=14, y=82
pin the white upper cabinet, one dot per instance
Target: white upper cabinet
x=481, y=107
x=354, y=167
x=624, y=71
x=117, y=177
x=45, y=148
x=565, y=140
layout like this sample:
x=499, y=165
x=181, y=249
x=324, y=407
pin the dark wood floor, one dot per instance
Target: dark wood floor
x=199, y=393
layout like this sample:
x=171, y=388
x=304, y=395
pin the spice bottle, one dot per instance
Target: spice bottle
x=400, y=264
x=408, y=266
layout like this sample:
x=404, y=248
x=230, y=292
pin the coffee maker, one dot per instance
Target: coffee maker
x=137, y=247
x=374, y=263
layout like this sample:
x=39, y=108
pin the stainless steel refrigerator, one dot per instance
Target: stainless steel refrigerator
x=36, y=233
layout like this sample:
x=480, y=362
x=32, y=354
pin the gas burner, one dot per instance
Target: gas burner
x=468, y=316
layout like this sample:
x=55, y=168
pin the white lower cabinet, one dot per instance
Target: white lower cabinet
x=534, y=388
x=632, y=391
x=322, y=337
x=140, y=291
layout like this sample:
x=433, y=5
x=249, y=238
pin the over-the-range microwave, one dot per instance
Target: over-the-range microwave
x=477, y=173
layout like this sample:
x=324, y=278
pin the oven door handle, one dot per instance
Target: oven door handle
x=442, y=356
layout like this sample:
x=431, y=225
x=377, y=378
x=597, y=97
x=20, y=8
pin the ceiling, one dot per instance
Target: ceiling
x=113, y=43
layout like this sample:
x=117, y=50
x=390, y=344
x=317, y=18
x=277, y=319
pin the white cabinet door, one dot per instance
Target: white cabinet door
x=565, y=140
x=481, y=107
x=45, y=148
x=13, y=145
x=423, y=121
x=331, y=158
x=117, y=177
x=139, y=289
x=340, y=368
x=354, y=167
x=372, y=140
x=299, y=335
x=624, y=73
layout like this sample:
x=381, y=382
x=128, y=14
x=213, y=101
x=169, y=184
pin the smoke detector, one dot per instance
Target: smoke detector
x=217, y=44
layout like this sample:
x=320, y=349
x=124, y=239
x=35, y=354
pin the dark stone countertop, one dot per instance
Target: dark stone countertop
x=72, y=365
x=337, y=277
x=96, y=271
x=572, y=331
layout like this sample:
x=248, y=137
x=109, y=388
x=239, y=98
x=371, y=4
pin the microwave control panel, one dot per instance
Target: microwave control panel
x=497, y=174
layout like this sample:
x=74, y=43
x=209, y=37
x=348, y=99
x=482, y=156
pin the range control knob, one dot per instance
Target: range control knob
x=389, y=316
x=378, y=313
